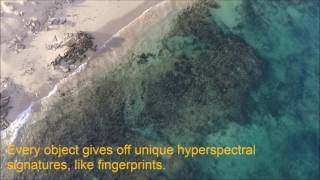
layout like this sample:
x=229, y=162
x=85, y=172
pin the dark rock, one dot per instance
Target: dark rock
x=4, y=109
x=78, y=44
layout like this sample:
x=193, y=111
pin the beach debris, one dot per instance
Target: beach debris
x=77, y=45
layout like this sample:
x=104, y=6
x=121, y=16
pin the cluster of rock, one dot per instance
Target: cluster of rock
x=19, y=13
x=36, y=24
x=57, y=21
x=54, y=22
x=64, y=1
x=4, y=102
x=77, y=45
x=4, y=108
x=33, y=25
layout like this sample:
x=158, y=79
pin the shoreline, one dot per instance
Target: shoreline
x=36, y=84
x=8, y=135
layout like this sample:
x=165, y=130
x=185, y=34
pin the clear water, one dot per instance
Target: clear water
x=244, y=73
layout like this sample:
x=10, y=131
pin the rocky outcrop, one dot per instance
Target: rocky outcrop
x=77, y=45
x=4, y=108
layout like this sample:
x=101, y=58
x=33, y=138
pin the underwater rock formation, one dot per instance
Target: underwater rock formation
x=212, y=75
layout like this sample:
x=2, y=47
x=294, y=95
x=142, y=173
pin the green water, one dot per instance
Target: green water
x=246, y=72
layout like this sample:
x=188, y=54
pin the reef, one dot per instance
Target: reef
x=212, y=75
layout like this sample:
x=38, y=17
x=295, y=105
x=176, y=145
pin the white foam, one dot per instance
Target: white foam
x=9, y=135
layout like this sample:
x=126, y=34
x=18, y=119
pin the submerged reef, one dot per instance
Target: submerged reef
x=212, y=73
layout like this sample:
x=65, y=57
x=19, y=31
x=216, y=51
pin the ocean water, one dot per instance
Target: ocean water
x=240, y=72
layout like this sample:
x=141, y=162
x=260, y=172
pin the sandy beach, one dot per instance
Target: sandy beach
x=33, y=34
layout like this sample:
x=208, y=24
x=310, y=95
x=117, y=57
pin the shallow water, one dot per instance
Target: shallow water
x=245, y=73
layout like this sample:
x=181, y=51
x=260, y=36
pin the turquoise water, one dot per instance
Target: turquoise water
x=285, y=117
x=243, y=72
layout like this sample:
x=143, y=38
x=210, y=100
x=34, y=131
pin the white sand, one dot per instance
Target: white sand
x=28, y=68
